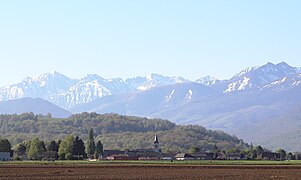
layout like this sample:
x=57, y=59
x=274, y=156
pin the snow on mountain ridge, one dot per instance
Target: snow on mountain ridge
x=256, y=77
x=155, y=80
x=44, y=86
x=282, y=84
x=208, y=80
x=82, y=93
x=67, y=92
x=245, y=71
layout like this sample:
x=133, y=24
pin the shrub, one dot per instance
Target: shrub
x=69, y=156
x=17, y=158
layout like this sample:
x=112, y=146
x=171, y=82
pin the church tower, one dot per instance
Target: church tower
x=156, y=144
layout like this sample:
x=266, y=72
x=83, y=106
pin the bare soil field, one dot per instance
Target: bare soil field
x=123, y=171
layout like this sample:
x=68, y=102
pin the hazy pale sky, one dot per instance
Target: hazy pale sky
x=112, y=38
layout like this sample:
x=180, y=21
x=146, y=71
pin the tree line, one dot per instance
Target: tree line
x=248, y=152
x=70, y=148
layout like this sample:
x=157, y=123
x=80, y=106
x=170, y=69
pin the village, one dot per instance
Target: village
x=156, y=154
x=151, y=154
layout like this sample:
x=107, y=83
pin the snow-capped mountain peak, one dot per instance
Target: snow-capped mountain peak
x=245, y=71
x=156, y=80
x=257, y=77
x=208, y=80
x=67, y=93
x=44, y=86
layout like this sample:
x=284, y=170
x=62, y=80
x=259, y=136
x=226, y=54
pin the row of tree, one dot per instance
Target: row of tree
x=71, y=148
x=249, y=152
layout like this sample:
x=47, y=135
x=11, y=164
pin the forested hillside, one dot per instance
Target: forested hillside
x=115, y=131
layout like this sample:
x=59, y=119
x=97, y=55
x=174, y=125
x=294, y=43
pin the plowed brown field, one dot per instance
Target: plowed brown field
x=98, y=171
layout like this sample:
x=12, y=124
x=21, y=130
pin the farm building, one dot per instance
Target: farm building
x=4, y=156
x=168, y=157
x=234, y=156
x=122, y=157
x=203, y=156
x=221, y=156
x=146, y=154
x=269, y=156
x=107, y=153
x=184, y=156
x=297, y=156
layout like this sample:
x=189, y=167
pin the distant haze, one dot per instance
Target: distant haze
x=129, y=38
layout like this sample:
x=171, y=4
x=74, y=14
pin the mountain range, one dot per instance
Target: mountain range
x=67, y=93
x=259, y=104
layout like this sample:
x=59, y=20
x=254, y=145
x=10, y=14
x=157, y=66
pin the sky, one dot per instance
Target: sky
x=111, y=38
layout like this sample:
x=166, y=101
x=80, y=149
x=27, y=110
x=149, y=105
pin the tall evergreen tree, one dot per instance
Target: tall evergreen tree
x=54, y=146
x=98, y=150
x=43, y=145
x=90, y=143
x=78, y=149
x=5, y=145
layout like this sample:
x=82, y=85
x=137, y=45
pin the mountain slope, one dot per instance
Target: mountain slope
x=91, y=88
x=283, y=84
x=147, y=103
x=115, y=131
x=256, y=77
x=37, y=106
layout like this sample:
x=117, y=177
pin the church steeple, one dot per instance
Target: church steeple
x=156, y=144
x=156, y=139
